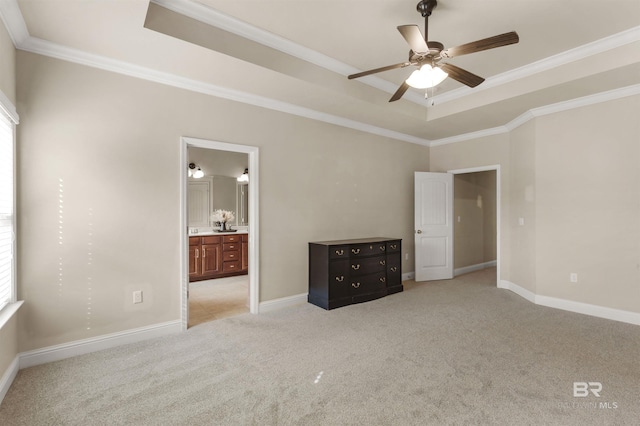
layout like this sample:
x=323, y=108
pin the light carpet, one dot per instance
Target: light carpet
x=446, y=352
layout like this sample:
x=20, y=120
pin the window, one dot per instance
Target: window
x=7, y=208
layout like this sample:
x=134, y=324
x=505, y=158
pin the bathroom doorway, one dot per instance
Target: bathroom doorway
x=217, y=287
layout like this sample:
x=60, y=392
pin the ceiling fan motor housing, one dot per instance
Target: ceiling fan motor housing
x=425, y=7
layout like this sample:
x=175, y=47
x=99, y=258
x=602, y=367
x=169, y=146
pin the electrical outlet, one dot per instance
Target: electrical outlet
x=137, y=296
x=573, y=277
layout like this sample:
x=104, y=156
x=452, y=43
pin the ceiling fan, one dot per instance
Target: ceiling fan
x=426, y=55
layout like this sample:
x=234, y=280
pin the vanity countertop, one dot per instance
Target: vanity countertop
x=207, y=233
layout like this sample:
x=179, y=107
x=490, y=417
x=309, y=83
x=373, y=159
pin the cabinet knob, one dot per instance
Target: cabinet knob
x=355, y=267
x=340, y=278
x=355, y=285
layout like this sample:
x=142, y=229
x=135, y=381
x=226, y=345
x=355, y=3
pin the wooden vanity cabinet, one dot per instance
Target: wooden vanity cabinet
x=215, y=256
x=344, y=272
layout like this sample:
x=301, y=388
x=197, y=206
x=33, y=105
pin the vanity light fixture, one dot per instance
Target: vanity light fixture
x=195, y=171
x=244, y=177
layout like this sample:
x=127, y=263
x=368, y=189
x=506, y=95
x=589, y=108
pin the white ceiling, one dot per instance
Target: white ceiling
x=251, y=51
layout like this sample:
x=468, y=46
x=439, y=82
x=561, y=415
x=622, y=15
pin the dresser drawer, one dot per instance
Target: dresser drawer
x=362, y=250
x=339, y=252
x=393, y=246
x=367, y=265
x=367, y=283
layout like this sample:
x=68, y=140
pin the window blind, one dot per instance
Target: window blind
x=7, y=211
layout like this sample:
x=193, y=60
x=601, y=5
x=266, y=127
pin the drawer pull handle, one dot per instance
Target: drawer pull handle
x=383, y=248
x=355, y=285
x=394, y=246
x=355, y=251
x=383, y=280
x=232, y=255
x=197, y=253
x=394, y=269
x=340, y=278
x=339, y=252
x=355, y=267
x=383, y=262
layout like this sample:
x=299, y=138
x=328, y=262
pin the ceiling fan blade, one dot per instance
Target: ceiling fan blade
x=412, y=34
x=376, y=70
x=403, y=88
x=480, y=45
x=461, y=75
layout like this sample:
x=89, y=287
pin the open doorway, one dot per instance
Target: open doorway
x=218, y=259
x=477, y=219
x=220, y=254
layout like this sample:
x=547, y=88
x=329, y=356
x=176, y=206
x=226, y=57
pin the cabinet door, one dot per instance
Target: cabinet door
x=195, y=267
x=211, y=259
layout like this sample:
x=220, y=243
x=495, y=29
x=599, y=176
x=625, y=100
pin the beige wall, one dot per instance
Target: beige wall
x=588, y=204
x=9, y=332
x=103, y=149
x=574, y=177
x=522, y=191
x=474, y=208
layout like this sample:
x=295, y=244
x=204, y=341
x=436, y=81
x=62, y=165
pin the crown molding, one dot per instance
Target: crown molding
x=581, y=52
x=53, y=50
x=13, y=21
x=215, y=18
x=541, y=111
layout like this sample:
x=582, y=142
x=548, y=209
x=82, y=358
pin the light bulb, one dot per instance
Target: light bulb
x=426, y=77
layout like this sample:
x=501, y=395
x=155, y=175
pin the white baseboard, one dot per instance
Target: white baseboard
x=520, y=291
x=409, y=276
x=85, y=346
x=8, y=377
x=275, y=304
x=572, y=306
x=473, y=268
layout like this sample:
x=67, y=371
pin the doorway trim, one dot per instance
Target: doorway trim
x=254, y=258
x=495, y=167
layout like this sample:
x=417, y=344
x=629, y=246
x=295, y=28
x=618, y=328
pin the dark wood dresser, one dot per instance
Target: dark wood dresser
x=344, y=272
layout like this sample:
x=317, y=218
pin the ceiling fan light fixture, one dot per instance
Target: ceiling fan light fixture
x=426, y=77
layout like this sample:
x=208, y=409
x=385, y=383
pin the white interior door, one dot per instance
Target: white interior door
x=433, y=226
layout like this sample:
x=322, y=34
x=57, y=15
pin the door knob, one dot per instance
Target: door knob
x=419, y=231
